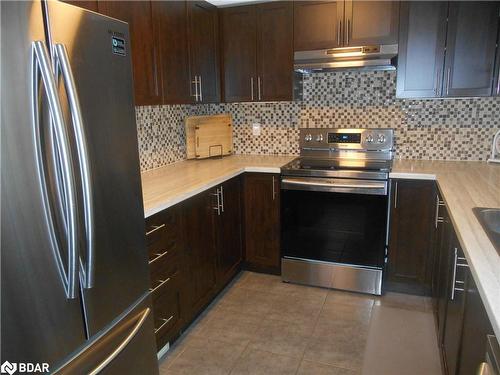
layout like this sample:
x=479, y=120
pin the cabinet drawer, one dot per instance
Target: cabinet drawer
x=167, y=308
x=164, y=267
x=163, y=232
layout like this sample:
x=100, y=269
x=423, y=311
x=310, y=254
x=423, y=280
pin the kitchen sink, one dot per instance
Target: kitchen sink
x=490, y=221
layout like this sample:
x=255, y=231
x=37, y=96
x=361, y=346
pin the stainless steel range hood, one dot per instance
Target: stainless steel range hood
x=381, y=57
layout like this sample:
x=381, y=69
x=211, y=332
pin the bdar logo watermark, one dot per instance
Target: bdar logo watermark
x=24, y=368
x=8, y=368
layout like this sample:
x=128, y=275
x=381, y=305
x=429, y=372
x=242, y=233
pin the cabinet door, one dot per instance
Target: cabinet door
x=228, y=224
x=261, y=218
x=239, y=54
x=89, y=5
x=171, y=18
x=455, y=307
x=496, y=86
x=371, y=22
x=275, y=51
x=470, y=49
x=475, y=328
x=145, y=54
x=204, y=47
x=411, y=232
x=200, y=250
x=421, y=49
x=318, y=24
x=443, y=276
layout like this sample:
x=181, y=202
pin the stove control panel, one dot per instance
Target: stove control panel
x=347, y=139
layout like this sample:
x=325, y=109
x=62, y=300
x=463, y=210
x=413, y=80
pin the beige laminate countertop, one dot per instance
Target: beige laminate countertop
x=464, y=185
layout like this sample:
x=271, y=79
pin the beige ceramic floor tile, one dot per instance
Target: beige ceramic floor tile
x=336, y=297
x=204, y=357
x=257, y=362
x=312, y=368
x=343, y=349
x=282, y=338
x=249, y=302
x=231, y=327
x=405, y=301
x=295, y=310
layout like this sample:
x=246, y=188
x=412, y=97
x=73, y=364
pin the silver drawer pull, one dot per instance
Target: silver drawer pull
x=158, y=256
x=155, y=228
x=162, y=282
x=165, y=322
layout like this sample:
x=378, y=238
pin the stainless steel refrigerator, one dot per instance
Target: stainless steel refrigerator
x=74, y=274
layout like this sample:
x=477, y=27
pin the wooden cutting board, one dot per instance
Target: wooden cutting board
x=209, y=136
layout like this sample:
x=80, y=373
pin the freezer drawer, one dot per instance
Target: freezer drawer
x=126, y=348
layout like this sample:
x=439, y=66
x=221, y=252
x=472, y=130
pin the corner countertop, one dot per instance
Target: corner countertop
x=169, y=185
x=464, y=185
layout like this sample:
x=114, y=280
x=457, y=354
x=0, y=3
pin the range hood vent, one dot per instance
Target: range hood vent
x=383, y=57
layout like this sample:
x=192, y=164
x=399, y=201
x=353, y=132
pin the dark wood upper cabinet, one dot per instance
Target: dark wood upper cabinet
x=204, y=47
x=85, y=4
x=144, y=47
x=318, y=24
x=228, y=231
x=421, y=49
x=496, y=84
x=171, y=18
x=239, y=35
x=261, y=195
x=371, y=22
x=275, y=51
x=258, y=52
x=413, y=217
x=330, y=24
x=470, y=48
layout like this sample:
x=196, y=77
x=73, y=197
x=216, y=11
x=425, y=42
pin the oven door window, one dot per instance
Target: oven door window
x=334, y=227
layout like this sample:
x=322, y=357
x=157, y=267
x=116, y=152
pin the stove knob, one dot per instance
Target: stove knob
x=369, y=138
x=381, y=138
x=308, y=138
x=319, y=138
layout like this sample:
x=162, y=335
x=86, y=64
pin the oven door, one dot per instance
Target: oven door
x=341, y=221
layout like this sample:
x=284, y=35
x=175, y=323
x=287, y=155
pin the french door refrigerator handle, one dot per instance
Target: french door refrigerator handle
x=83, y=160
x=41, y=66
x=123, y=344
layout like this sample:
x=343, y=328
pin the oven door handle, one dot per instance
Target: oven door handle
x=350, y=187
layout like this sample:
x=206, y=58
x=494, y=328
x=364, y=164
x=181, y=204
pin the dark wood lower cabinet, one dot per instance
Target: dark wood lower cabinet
x=476, y=326
x=410, y=252
x=261, y=195
x=228, y=231
x=194, y=250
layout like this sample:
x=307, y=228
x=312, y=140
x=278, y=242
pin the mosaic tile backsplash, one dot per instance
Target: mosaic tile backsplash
x=450, y=129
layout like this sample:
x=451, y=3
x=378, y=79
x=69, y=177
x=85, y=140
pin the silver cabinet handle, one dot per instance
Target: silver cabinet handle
x=258, y=86
x=448, y=74
x=436, y=90
x=201, y=88
x=454, y=277
x=124, y=343
x=348, y=29
x=195, y=82
x=63, y=62
x=339, y=32
x=438, y=204
x=158, y=256
x=165, y=322
x=155, y=228
x=251, y=87
x=498, y=81
x=274, y=189
x=222, y=198
x=396, y=195
x=41, y=69
x=162, y=282
x=484, y=369
x=218, y=206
